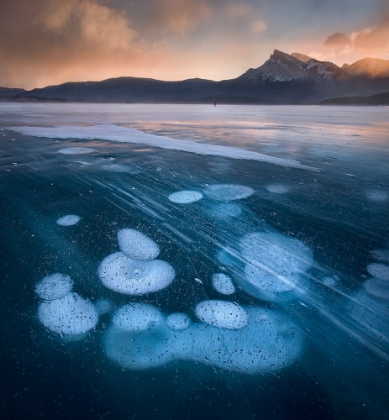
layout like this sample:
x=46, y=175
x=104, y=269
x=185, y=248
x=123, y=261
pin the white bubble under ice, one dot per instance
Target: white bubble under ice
x=223, y=284
x=137, y=317
x=221, y=314
x=103, y=306
x=70, y=315
x=55, y=286
x=124, y=275
x=228, y=192
x=275, y=263
x=268, y=343
x=277, y=188
x=68, y=220
x=377, y=195
x=136, y=245
x=380, y=254
x=76, y=150
x=377, y=288
x=379, y=271
x=178, y=321
x=185, y=197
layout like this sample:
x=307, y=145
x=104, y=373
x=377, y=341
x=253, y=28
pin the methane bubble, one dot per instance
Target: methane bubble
x=222, y=314
x=178, y=321
x=223, y=284
x=136, y=245
x=137, y=317
x=70, y=315
x=55, y=286
x=275, y=263
x=277, y=188
x=380, y=271
x=228, y=192
x=185, y=197
x=76, y=150
x=69, y=220
x=124, y=275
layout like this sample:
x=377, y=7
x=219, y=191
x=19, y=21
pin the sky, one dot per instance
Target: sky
x=46, y=42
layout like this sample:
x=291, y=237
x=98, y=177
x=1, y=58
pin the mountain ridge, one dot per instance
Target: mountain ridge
x=282, y=79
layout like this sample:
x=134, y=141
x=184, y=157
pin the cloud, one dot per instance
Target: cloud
x=337, y=39
x=368, y=39
x=376, y=38
x=258, y=26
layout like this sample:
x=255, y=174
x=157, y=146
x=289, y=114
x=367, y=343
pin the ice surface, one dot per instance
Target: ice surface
x=124, y=275
x=223, y=284
x=222, y=314
x=116, y=133
x=76, y=150
x=185, y=197
x=136, y=245
x=228, y=192
x=55, y=286
x=377, y=195
x=226, y=210
x=70, y=315
x=68, y=220
x=137, y=317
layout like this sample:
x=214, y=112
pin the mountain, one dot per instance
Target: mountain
x=302, y=57
x=282, y=79
x=282, y=67
x=10, y=91
x=379, y=99
x=368, y=68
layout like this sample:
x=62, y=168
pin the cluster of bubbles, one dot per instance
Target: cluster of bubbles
x=223, y=333
x=372, y=308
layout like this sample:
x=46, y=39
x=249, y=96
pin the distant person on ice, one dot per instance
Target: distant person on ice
x=214, y=103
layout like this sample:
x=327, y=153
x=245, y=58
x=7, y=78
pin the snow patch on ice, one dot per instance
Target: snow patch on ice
x=112, y=132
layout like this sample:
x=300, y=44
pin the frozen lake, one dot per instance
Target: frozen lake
x=191, y=261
